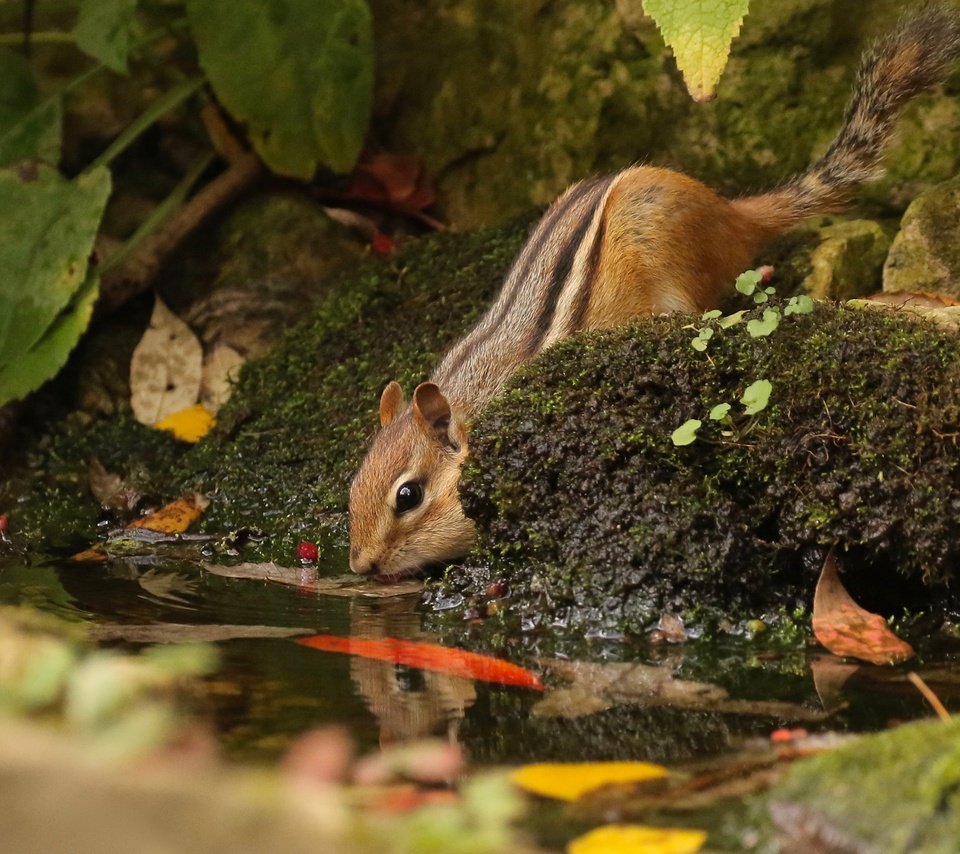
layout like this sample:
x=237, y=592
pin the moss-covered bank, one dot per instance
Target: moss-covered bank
x=289, y=440
x=594, y=516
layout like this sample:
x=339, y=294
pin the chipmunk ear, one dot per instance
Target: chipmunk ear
x=432, y=412
x=391, y=403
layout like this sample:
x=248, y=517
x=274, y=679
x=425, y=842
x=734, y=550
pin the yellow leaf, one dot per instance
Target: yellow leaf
x=568, y=781
x=635, y=839
x=175, y=517
x=189, y=425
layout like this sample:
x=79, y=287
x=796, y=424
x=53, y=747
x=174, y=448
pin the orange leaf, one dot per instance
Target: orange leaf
x=95, y=554
x=568, y=781
x=845, y=628
x=188, y=425
x=429, y=656
x=636, y=839
x=175, y=517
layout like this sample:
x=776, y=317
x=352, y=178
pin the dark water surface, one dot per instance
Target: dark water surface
x=270, y=689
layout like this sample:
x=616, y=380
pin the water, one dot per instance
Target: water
x=269, y=689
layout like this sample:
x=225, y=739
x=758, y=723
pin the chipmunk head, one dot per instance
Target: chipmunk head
x=404, y=505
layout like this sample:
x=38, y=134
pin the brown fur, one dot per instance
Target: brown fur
x=609, y=250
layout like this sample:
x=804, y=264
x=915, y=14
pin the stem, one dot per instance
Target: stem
x=166, y=102
x=16, y=39
x=160, y=213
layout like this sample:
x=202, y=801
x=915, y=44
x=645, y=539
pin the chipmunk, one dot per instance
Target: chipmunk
x=611, y=249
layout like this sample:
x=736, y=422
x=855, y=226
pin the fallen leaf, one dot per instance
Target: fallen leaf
x=830, y=674
x=175, y=517
x=166, y=368
x=568, y=781
x=397, y=178
x=920, y=299
x=845, y=628
x=221, y=368
x=95, y=554
x=636, y=839
x=188, y=425
x=109, y=488
x=429, y=656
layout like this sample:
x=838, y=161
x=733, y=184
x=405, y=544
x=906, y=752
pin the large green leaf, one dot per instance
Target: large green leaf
x=47, y=228
x=700, y=32
x=29, y=126
x=106, y=29
x=297, y=73
x=42, y=361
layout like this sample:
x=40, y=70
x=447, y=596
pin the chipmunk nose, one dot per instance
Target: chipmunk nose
x=363, y=565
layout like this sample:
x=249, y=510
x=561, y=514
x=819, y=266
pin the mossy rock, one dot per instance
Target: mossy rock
x=594, y=517
x=508, y=103
x=925, y=254
x=894, y=791
x=299, y=421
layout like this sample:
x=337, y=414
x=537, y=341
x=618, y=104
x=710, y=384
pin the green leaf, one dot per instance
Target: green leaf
x=698, y=344
x=732, y=319
x=762, y=328
x=713, y=314
x=298, y=74
x=760, y=297
x=700, y=32
x=42, y=361
x=686, y=433
x=799, y=305
x=705, y=334
x=106, y=30
x=747, y=282
x=756, y=396
x=47, y=228
x=29, y=126
x=719, y=412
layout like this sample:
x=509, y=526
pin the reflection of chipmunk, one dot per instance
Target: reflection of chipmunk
x=607, y=251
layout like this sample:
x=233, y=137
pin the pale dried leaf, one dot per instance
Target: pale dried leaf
x=166, y=368
x=221, y=368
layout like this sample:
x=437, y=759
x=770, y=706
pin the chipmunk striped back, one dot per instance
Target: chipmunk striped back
x=645, y=240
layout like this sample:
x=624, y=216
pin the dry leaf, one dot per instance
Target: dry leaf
x=919, y=299
x=845, y=628
x=567, y=781
x=830, y=674
x=166, y=368
x=221, y=368
x=429, y=656
x=175, y=517
x=188, y=425
x=636, y=839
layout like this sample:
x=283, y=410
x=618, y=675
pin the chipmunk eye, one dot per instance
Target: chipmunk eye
x=409, y=495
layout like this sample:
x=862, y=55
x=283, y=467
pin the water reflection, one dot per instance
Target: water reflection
x=408, y=703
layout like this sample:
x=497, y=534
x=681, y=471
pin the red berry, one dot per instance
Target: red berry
x=307, y=552
x=382, y=244
x=4, y=523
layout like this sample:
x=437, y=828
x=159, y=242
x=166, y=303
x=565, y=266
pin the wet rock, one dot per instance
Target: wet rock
x=894, y=791
x=925, y=254
x=848, y=261
x=508, y=103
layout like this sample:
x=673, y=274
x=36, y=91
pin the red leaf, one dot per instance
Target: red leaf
x=429, y=656
x=845, y=628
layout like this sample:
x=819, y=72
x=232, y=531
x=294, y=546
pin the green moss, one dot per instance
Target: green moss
x=594, y=516
x=288, y=442
x=894, y=791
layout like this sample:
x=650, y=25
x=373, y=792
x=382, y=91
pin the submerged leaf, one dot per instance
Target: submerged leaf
x=845, y=628
x=568, y=781
x=636, y=839
x=429, y=656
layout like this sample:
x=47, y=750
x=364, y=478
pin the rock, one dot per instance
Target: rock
x=596, y=519
x=894, y=792
x=849, y=260
x=925, y=254
x=508, y=104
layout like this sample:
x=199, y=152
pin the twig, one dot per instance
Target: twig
x=930, y=697
x=137, y=273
